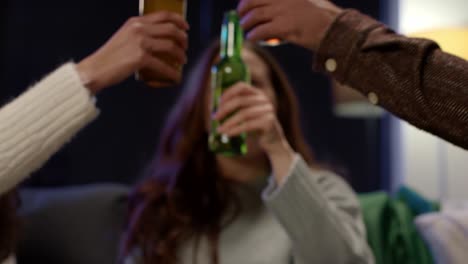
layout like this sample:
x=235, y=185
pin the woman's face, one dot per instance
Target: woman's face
x=260, y=74
x=260, y=79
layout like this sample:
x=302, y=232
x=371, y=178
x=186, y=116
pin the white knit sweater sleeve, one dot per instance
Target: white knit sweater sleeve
x=40, y=121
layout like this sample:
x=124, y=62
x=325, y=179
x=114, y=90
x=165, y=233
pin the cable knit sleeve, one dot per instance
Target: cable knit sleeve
x=321, y=215
x=36, y=124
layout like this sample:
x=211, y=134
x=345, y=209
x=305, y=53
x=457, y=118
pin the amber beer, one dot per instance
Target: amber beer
x=151, y=6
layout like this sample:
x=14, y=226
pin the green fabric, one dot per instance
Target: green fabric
x=374, y=209
x=391, y=232
x=417, y=204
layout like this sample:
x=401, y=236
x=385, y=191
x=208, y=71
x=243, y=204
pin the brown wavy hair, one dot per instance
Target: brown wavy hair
x=8, y=224
x=184, y=197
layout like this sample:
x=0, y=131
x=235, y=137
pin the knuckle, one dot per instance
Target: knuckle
x=255, y=90
x=173, y=30
x=260, y=98
x=243, y=115
x=141, y=43
x=279, y=29
x=132, y=20
x=184, y=37
x=270, y=108
x=171, y=45
x=240, y=102
x=170, y=30
x=261, y=13
x=162, y=45
x=242, y=85
x=164, y=15
x=136, y=28
x=141, y=58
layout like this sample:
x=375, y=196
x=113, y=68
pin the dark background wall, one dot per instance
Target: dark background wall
x=38, y=36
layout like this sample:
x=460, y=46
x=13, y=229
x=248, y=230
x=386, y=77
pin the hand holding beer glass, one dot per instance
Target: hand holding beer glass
x=142, y=42
x=153, y=6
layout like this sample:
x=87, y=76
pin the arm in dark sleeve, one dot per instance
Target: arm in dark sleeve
x=411, y=78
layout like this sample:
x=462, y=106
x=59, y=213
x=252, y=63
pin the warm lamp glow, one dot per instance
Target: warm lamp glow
x=451, y=40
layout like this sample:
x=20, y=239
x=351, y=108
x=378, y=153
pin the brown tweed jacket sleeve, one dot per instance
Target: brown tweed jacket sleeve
x=411, y=78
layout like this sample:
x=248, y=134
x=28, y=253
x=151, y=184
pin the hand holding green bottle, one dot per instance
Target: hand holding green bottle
x=230, y=70
x=254, y=113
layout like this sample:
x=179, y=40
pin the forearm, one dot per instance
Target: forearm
x=282, y=159
x=321, y=215
x=36, y=124
x=411, y=78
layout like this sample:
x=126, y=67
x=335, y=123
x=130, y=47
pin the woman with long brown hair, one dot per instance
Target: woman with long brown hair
x=197, y=207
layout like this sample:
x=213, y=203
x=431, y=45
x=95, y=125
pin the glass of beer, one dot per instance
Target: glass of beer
x=151, y=6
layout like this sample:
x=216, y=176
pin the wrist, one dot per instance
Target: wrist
x=87, y=73
x=329, y=12
x=280, y=149
x=281, y=159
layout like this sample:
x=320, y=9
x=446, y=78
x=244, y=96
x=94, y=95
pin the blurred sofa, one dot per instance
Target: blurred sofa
x=83, y=225
x=72, y=225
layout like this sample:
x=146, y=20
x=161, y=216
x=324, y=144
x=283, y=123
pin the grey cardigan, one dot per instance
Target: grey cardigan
x=314, y=217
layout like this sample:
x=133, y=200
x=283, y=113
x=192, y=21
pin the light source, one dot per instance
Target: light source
x=454, y=41
x=451, y=40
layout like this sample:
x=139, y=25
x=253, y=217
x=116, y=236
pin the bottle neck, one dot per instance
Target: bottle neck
x=231, y=36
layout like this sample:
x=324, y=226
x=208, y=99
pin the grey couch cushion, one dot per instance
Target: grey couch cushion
x=74, y=225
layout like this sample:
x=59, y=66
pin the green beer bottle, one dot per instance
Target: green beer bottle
x=230, y=70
